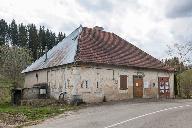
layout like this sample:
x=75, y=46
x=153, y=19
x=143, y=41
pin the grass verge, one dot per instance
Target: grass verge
x=18, y=115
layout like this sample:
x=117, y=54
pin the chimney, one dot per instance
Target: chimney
x=46, y=50
x=98, y=28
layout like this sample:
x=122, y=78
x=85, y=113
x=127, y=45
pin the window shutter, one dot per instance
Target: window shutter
x=123, y=82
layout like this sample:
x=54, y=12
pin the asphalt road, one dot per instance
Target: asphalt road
x=161, y=114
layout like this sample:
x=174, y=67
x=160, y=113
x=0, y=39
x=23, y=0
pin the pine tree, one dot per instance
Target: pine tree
x=33, y=40
x=53, y=39
x=13, y=33
x=48, y=39
x=42, y=40
x=3, y=32
x=29, y=37
x=22, y=36
x=60, y=37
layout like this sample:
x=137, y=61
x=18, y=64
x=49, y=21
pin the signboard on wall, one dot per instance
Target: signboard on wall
x=146, y=84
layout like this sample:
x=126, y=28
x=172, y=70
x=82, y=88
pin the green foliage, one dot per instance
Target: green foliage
x=184, y=80
x=22, y=36
x=175, y=63
x=13, y=33
x=28, y=36
x=5, y=94
x=12, y=61
x=179, y=67
x=3, y=32
x=33, y=40
x=5, y=89
x=60, y=37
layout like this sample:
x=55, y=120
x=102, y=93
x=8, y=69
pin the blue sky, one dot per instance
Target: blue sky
x=149, y=24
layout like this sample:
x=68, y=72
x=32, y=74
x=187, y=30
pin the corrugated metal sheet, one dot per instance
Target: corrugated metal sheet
x=63, y=53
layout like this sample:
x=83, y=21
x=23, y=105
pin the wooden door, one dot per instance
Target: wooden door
x=138, y=86
x=164, y=88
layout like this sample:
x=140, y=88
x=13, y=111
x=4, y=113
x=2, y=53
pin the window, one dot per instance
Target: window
x=86, y=84
x=37, y=77
x=65, y=85
x=113, y=75
x=123, y=82
x=42, y=91
x=97, y=84
x=82, y=85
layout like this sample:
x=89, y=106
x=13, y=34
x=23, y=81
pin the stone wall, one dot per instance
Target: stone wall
x=93, y=83
x=30, y=93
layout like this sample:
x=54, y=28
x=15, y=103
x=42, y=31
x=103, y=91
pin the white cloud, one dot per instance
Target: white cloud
x=148, y=24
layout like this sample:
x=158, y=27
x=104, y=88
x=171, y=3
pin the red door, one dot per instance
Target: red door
x=164, y=87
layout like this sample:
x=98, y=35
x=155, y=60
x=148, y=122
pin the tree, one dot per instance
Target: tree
x=22, y=36
x=42, y=41
x=186, y=83
x=60, y=37
x=28, y=36
x=53, y=39
x=13, y=33
x=33, y=41
x=175, y=63
x=182, y=52
x=48, y=39
x=3, y=32
x=12, y=61
x=179, y=66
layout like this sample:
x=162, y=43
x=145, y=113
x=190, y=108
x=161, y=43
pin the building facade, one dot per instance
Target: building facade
x=111, y=69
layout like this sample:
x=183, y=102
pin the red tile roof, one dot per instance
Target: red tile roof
x=97, y=46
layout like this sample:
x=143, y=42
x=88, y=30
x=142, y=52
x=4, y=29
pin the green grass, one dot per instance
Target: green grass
x=31, y=113
x=20, y=114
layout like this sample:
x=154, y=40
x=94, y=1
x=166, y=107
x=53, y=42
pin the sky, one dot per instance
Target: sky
x=151, y=25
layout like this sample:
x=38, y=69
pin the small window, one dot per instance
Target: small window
x=43, y=91
x=113, y=74
x=97, y=84
x=81, y=85
x=37, y=76
x=65, y=85
x=86, y=84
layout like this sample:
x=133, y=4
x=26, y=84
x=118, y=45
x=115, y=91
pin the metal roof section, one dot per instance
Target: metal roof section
x=63, y=53
x=94, y=45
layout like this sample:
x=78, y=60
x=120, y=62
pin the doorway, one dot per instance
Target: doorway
x=164, y=88
x=138, y=86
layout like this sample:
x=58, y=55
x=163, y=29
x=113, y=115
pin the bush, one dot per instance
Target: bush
x=5, y=94
x=184, y=82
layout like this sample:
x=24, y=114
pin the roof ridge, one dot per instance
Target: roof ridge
x=96, y=46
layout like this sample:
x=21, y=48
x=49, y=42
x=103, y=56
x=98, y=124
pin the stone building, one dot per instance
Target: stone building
x=96, y=65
